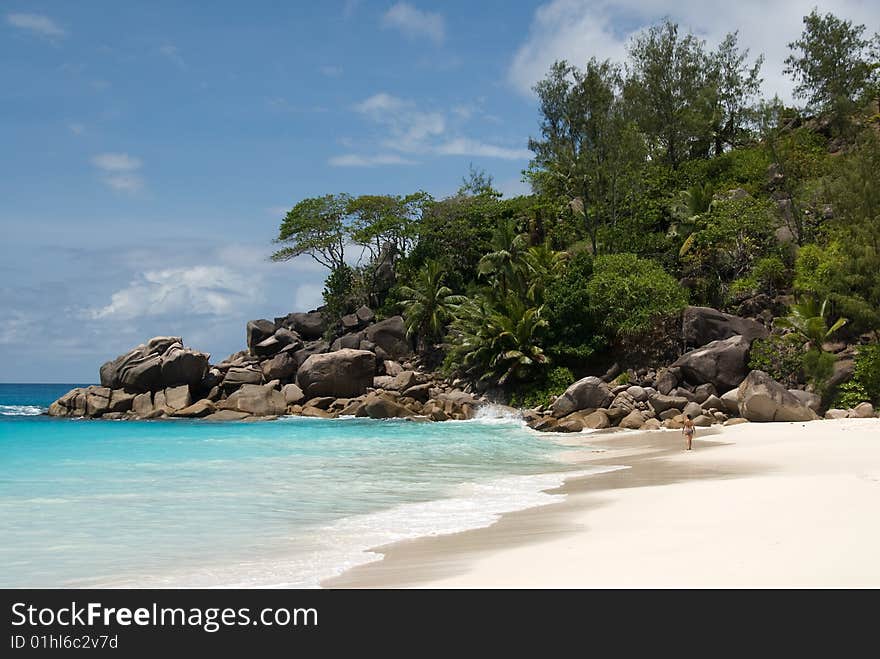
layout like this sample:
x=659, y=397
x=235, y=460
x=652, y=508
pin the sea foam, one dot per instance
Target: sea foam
x=20, y=410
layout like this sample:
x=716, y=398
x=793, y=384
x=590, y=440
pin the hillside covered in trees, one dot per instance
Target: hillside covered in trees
x=659, y=182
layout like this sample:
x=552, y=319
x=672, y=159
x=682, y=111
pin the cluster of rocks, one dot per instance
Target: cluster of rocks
x=288, y=368
x=860, y=411
x=368, y=371
x=593, y=403
x=711, y=382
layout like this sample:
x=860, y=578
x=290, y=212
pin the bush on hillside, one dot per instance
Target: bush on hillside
x=626, y=293
x=554, y=383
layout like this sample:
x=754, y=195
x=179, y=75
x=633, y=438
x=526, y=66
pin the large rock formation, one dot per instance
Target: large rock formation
x=389, y=336
x=589, y=392
x=237, y=376
x=342, y=373
x=310, y=326
x=702, y=325
x=162, y=362
x=258, y=331
x=257, y=400
x=280, y=367
x=761, y=398
x=723, y=363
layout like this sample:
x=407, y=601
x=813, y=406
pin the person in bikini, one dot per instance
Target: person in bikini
x=688, y=431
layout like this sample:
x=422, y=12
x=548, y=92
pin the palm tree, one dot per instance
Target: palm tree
x=507, y=244
x=539, y=266
x=808, y=324
x=497, y=338
x=429, y=305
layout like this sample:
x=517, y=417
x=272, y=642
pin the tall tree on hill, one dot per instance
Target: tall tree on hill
x=317, y=227
x=587, y=144
x=831, y=64
x=735, y=85
x=668, y=91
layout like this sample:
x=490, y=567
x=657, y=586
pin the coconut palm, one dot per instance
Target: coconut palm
x=500, y=263
x=428, y=305
x=538, y=266
x=498, y=340
x=807, y=322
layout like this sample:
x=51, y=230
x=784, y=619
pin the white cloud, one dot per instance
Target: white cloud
x=15, y=328
x=414, y=23
x=331, y=71
x=576, y=30
x=197, y=290
x=409, y=127
x=412, y=131
x=467, y=147
x=380, y=102
x=355, y=160
x=36, y=24
x=116, y=162
x=120, y=171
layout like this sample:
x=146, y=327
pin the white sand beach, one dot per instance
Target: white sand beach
x=753, y=505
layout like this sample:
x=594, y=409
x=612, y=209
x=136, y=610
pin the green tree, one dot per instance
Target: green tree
x=316, y=227
x=845, y=269
x=378, y=221
x=428, y=305
x=830, y=64
x=571, y=332
x=627, y=293
x=477, y=182
x=340, y=296
x=497, y=339
x=668, y=90
x=587, y=146
x=735, y=85
x=455, y=232
x=726, y=244
x=539, y=266
x=807, y=323
x=502, y=262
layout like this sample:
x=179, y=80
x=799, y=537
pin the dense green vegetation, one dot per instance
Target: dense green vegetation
x=657, y=182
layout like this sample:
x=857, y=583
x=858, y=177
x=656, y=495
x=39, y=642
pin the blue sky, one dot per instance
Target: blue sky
x=150, y=149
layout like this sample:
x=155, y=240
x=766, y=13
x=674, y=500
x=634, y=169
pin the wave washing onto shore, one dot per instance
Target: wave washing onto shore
x=286, y=503
x=21, y=410
x=350, y=541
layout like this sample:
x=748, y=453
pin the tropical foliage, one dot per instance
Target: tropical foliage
x=657, y=181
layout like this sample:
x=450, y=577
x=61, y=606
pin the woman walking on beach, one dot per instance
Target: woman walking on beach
x=688, y=431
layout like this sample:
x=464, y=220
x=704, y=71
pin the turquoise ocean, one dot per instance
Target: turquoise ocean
x=187, y=503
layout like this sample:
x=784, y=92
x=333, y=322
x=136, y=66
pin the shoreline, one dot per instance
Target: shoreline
x=751, y=506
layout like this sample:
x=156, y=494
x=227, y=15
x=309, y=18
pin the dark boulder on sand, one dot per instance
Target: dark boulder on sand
x=761, y=398
x=589, y=392
x=723, y=363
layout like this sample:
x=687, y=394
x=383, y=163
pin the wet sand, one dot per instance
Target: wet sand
x=753, y=505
